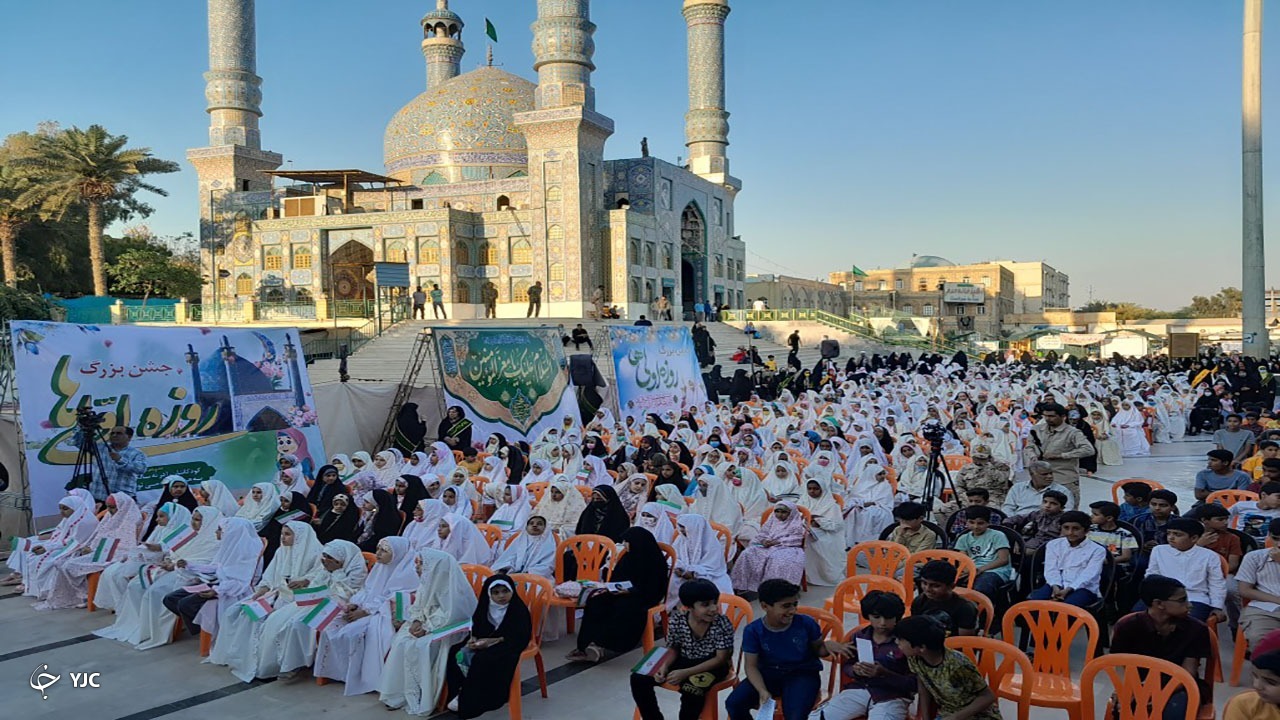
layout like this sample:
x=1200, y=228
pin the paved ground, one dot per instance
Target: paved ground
x=171, y=682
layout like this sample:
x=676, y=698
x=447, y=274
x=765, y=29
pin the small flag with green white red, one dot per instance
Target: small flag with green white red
x=23, y=544
x=490, y=30
x=290, y=516
x=400, y=603
x=257, y=609
x=105, y=550
x=178, y=537
x=321, y=614
x=652, y=660
x=307, y=596
x=146, y=576
x=456, y=628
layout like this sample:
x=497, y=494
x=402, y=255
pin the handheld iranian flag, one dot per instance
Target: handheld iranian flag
x=454, y=629
x=652, y=660
x=178, y=537
x=400, y=603
x=672, y=509
x=308, y=596
x=105, y=550
x=583, y=475
x=257, y=609
x=321, y=614
x=147, y=575
x=290, y=516
x=23, y=544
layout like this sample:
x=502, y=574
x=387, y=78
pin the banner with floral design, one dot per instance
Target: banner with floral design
x=203, y=403
x=656, y=370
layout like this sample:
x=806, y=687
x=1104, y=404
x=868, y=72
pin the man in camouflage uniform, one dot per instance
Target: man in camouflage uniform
x=984, y=472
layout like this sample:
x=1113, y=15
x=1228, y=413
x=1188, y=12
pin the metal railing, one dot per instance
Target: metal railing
x=285, y=311
x=354, y=308
x=221, y=312
x=149, y=313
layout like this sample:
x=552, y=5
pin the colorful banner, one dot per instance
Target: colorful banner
x=655, y=370
x=510, y=381
x=203, y=402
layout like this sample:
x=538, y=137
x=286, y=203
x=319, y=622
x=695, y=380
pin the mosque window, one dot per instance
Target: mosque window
x=719, y=266
x=461, y=253
x=396, y=252
x=521, y=252
x=554, y=194
x=429, y=251
x=488, y=253
x=272, y=259
x=224, y=286
x=959, y=309
x=928, y=311
x=635, y=289
x=273, y=295
x=416, y=204
x=434, y=178
x=518, y=174
x=556, y=272
x=908, y=309
x=633, y=252
x=302, y=257
x=881, y=286
x=648, y=255
x=857, y=286
x=520, y=291
x=555, y=232
x=667, y=261
x=244, y=284
x=463, y=295
x=964, y=279
x=302, y=295
x=729, y=269
x=982, y=309
x=504, y=202
x=986, y=281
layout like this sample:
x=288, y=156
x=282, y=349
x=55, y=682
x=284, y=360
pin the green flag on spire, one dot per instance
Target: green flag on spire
x=490, y=30
x=857, y=272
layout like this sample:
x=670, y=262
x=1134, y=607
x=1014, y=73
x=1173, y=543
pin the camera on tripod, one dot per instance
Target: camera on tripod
x=87, y=419
x=934, y=432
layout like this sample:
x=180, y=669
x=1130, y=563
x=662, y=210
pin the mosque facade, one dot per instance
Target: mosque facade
x=492, y=182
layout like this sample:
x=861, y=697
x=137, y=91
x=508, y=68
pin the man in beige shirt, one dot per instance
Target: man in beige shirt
x=1060, y=445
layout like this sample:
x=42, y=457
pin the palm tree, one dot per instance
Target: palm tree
x=13, y=214
x=89, y=167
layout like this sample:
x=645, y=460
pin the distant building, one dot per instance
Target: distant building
x=965, y=299
x=784, y=292
x=1038, y=287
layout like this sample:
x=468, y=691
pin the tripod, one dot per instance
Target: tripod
x=937, y=478
x=89, y=459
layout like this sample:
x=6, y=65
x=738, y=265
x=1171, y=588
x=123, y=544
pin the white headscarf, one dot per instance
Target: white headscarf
x=672, y=499
x=386, y=579
x=204, y=545
x=259, y=512
x=220, y=497
x=239, y=553
x=462, y=503
x=444, y=594
x=293, y=562
x=511, y=516
x=343, y=465
x=390, y=470
x=441, y=461
x=717, y=505
x=347, y=579
x=655, y=518
x=540, y=470
x=420, y=532
x=565, y=513
x=599, y=472
x=465, y=542
x=78, y=527
x=497, y=612
x=529, y=554
x=699, y=548
x=177, y=517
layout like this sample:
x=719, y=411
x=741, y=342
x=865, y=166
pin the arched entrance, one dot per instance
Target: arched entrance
x=350, y=288
x=693, y=257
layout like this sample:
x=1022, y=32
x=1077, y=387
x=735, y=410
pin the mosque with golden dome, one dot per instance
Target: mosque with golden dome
x=492, y=182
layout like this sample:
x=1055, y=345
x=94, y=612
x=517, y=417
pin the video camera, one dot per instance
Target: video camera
x=934, y=432
x=87, y=419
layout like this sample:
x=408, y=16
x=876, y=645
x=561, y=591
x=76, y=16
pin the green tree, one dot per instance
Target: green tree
x=1125, y=311
x=145, y=265
x=1228, y=302
x=18, y=304
x=14, y=214
x=90, y=168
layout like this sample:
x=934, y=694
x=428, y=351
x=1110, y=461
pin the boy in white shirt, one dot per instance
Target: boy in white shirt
x=1198, y=568
x=1072, y=564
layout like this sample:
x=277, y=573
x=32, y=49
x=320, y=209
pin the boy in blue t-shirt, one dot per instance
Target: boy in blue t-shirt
x=782, y=654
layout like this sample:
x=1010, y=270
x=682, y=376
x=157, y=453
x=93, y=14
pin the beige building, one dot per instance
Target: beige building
x=964, y=299
x=1038, y=287
x=783, y=292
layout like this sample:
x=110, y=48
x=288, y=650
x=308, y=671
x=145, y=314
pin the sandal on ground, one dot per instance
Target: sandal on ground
x=594, y=654
x=576, y=656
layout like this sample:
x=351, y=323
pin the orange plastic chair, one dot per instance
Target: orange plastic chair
x=966, y=570
x=1142, y=687
x=1117, y=488
x=832, y=629
x=1052, y=627
x=536, y=489
x=476, y=575
x=591, y=553
x=726, y=537
x=1227, y=498
x=536, y=592
x=492, y=533
x=986, y=608
x=882, y=557
x=739, y=613
x=955, y=462
x=94, y=578
x=1237, y=655
x=849, y=593
x=998, y=660
x=369, y=560
x=586, y=492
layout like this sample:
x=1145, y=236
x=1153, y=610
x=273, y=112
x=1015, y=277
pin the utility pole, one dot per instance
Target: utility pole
x=1253, y=282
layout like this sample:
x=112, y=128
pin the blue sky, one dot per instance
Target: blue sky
x=1101, y=136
